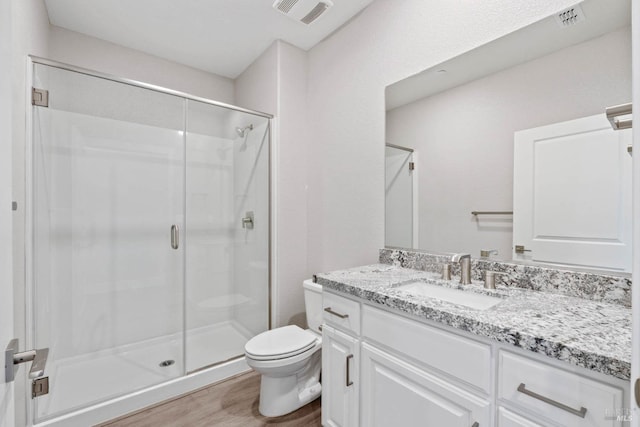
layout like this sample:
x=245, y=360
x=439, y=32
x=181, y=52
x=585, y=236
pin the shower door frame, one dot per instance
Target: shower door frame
x=22, y=385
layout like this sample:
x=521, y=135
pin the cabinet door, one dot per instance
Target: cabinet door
x=395, y=393
x=340, y=379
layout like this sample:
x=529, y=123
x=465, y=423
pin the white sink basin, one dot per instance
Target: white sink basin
x=455, y=296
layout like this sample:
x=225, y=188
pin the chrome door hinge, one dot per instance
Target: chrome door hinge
x=247, y=221
x=412, y=166
x=39, y=97
x=39, y=387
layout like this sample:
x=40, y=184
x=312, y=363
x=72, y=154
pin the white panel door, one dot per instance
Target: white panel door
x=395, y=393
x=340, y=381
x=572, y=194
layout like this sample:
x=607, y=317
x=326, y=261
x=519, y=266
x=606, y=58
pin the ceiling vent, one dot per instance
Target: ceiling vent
x=305, y=11
x=570, y=16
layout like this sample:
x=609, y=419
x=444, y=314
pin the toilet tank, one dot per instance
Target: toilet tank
x=313, y=304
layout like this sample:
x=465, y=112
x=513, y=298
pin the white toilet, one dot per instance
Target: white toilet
x=289, y=360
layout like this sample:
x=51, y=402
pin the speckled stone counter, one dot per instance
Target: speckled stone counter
x=597, y=286
x=591, y=334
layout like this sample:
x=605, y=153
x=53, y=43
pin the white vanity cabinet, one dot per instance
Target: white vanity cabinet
x=419, y=375
x=396, y=393
x=340, y=361
x=382, y=368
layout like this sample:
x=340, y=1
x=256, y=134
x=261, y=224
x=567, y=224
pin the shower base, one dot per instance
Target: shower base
x=91, y=379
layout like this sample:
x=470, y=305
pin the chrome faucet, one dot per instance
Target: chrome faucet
x=465, y=267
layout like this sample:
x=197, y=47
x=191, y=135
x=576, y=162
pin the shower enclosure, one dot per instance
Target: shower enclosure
x=149, y=230
x=399, y=193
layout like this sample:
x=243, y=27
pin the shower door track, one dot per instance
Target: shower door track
x=131, y=82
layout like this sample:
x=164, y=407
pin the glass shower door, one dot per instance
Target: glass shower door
x=227, y=232
x=107, y=260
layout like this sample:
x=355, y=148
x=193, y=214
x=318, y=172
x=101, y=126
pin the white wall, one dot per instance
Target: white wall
x=257, y=87
x=276, y=83
x=348, y=73
x=465, y=136
x=291, y=185
x=89, y=52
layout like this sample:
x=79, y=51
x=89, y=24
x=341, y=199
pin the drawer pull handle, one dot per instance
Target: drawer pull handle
x=579, y=412
x=342, y=316
x=349, y=382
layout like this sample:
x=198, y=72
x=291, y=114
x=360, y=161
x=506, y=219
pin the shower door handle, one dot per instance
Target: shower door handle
x=175, y=236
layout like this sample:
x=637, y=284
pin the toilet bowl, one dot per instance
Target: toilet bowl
x=288, y=358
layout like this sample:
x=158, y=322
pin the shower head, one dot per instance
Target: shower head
x=243, y=131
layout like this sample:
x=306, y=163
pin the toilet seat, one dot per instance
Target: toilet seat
x=280, y=343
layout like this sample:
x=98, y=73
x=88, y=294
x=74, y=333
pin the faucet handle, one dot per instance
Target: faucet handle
x=490, y=278
x=446, y=271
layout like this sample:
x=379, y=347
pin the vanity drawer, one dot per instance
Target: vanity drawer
x=341, y=312
x=557, y=395
x=467, y=360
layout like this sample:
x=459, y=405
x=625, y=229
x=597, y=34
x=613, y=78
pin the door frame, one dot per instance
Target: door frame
x=7, y=329
x=635, y=292
x=414, y=193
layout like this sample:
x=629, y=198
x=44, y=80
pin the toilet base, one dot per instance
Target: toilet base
x=282, y=395
x=279, y=396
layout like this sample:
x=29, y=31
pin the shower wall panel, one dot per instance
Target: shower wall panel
x=251, y=194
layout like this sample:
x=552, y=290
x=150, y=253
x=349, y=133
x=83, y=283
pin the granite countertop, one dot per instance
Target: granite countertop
x=591, y=334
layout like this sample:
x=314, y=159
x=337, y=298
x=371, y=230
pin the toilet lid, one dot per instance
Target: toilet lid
x=280, y=343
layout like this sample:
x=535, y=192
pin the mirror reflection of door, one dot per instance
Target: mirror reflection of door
x=399, y=188
x=572, y=194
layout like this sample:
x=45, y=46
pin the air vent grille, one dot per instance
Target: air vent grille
x=286, y=5
x=303, y=11
x=315, y=13
x=570, y=16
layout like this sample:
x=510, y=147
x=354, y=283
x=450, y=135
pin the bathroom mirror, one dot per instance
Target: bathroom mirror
x=451, y=132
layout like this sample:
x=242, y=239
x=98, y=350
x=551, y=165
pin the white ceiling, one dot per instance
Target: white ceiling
x=219, y=36
x=526, y=44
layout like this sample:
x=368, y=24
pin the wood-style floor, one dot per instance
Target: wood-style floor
x=229, y=403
